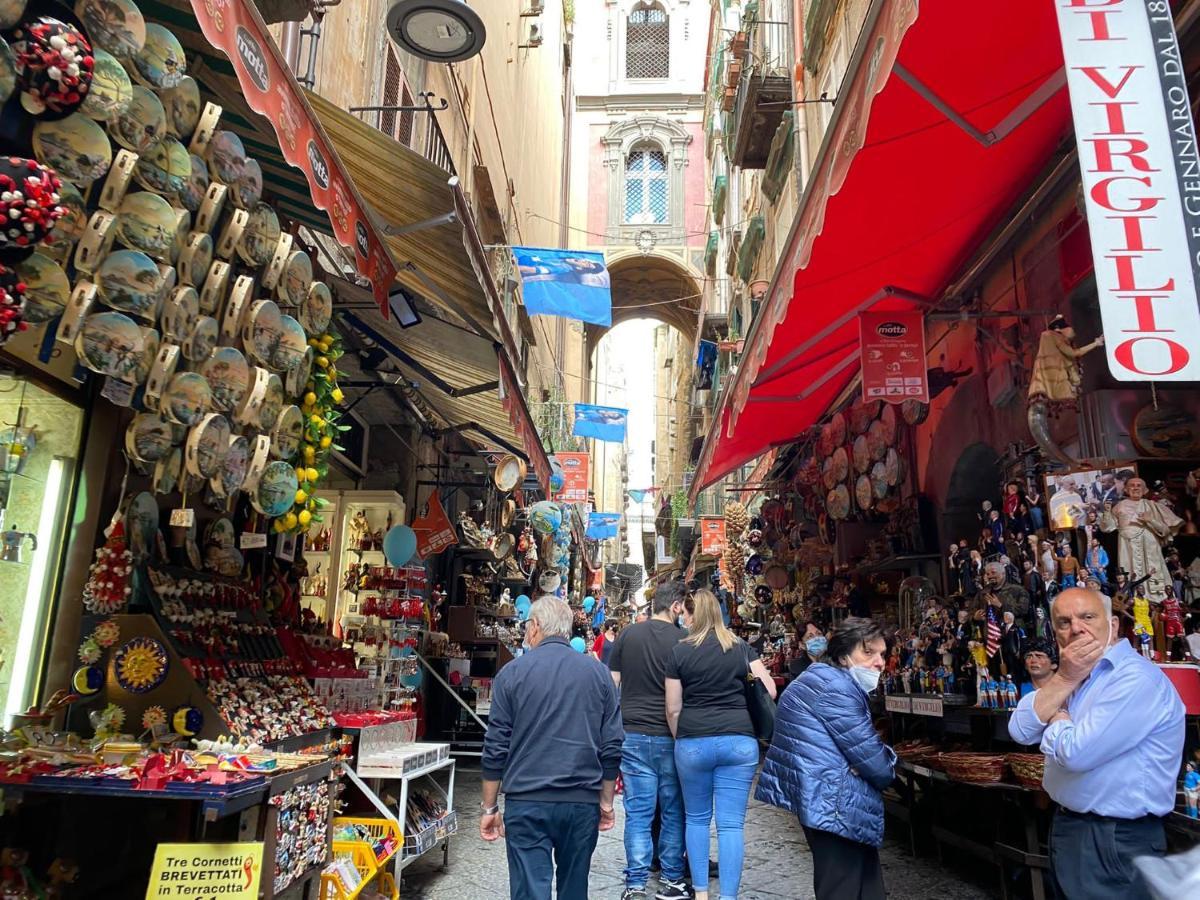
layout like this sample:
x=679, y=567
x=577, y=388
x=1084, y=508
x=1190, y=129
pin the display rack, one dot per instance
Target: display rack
x=366, y=861
x=319, y=552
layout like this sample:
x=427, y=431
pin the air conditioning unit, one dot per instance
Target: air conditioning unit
x=536, y=8
x=535, y=36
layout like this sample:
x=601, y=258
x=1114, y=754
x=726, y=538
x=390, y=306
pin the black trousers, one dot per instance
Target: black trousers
x=549, y=843
x=844, y=869
x=1091, y=857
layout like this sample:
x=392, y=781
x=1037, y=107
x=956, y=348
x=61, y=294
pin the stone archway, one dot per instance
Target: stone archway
x=973, y=480
x=651, y=286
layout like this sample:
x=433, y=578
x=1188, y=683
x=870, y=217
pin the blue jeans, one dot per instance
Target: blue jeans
x=539, y=835
x=722, y=765
x=648, y=770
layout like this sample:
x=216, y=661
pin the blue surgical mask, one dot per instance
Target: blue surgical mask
x=866, y=678
x=816, y=645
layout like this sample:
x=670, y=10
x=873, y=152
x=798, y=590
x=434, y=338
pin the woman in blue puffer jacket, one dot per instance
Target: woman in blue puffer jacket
x=828, y=765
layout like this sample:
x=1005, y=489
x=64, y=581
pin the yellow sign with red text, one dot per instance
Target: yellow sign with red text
x=206, y=871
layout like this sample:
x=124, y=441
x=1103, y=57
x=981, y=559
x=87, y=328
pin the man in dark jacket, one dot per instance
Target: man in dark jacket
x=554, y=741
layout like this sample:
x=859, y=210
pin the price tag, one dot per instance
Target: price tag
x=252, y=540
x=893, y=703
x=120, y=393
x=183, y=518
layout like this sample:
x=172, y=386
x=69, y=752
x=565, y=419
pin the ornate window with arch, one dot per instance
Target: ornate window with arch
x=647, y=42
x=646, y=158
x=646, y=188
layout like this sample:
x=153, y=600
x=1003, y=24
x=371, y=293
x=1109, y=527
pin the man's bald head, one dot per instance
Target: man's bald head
x=1079, y=612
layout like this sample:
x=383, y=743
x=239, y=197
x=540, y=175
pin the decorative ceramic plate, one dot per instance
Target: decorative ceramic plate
x=115, y=25
x=260, y=235
x=247, y=190
x=841, y=464
x=226, y=156
x=862, y=492
x=199, y=344
x=228, y=481
x=110, y=343
x=825, y=441
x=510, y=472
x=272, y=404
x=146, y=222
x=861, y=415
x=914, y=412
x=228, y=375
x=129, y=280
x=182, y=104
x=294, y=285
x=827, y=475
x=143, y=123
x=876, y=440
x=167, y=471
x=837, y=429
x=317, y=308
x=191, y=195
x=75, y=147
x=888, y=418
x=142, y=524
x=1168, y=431
x=195, y=258
x=148, y=438
x=276, y=491
x=150, y=344
x=187, y=398
x=207, y=444
x=293, y=345
x=502, y=547
x=262, y=331
x=179, y=314
x=11, y=12
x=879, y=482
x=47, y=288
x=164, y=168
x=160, y=64
x=111, y=91
x=861, y=454
x=837, y=501
x=220, y=533
x=8, y=71
x=891, y=467
x=296, y=379
x=809, y=471
x=285, y=437
x=140, y=665
x=69, y=227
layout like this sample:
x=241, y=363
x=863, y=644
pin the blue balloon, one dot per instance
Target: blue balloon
x=588, y=603
x=523, y=601
x=578, y=644
x=557, y=480
x=399, y=545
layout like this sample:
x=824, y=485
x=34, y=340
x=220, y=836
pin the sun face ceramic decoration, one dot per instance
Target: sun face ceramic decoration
x=203, y=338
x=160, y=64
x=228, y=480
x=276, y=490
x=182, y=105
x=111, y=91
x=228, y=375
x=293, y=344
x=317, y=308
x=186, y=399
x=116, y=25
x=143, y=123
x=262, y=332
x=272, y=404
x=148, y=438
x=261, y=234
x=130, y=281
x=285, y=437
x=47, y=288
x=207, y=444
x=294, y=284
x=110, y=343
x=75, y=147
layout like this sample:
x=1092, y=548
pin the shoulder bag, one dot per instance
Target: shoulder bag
x=758, y=702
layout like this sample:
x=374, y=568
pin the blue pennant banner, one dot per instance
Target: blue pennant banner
x=602, y=526
x=604, y=423
x=573, y=284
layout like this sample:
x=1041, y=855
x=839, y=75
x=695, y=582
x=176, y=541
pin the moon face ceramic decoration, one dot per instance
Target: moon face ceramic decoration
x=75, y=147
x=228, y=375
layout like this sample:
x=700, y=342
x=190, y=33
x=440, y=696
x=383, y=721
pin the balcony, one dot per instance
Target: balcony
x=764, y=91
x=416, y=127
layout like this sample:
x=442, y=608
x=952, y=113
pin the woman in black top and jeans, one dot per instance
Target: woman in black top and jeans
x=716, y=752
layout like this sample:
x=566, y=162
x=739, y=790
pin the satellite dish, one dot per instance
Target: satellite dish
x=436, y=30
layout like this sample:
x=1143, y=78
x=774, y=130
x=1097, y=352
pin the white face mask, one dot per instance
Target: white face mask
x=865, y=677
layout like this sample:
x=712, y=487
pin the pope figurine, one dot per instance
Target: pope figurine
x=1142, y=527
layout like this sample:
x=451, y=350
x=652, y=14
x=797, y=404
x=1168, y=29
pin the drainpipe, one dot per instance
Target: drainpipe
x=289, y=45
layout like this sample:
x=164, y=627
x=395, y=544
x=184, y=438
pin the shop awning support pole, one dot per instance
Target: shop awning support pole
x=449, y=218
x=453, y=693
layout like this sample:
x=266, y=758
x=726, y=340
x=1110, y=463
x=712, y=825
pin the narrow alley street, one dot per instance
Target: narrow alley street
x=778, y=862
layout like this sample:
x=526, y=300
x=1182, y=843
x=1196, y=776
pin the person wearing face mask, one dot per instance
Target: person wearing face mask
x=1111, y=726
x=828, y=765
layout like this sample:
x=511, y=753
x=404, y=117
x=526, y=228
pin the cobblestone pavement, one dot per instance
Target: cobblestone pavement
x=778, y=863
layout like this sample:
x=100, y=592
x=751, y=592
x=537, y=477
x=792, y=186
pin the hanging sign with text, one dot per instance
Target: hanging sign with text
x=893, y=356
x=712, y=535
x=206, y=871
x=435, y=532
x=575, y=477
x=1141, y=182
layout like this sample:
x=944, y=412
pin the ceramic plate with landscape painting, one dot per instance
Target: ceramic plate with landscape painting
x=296, y=379
x=150, y=345
x=262, y=330
x=11, y=12
x=295, y=281
x=166, y=471
x=316, y=309
x=207, y=444
x=260, y=236
x=160, y=64
x=199, y=344
x=75, y=147
x=191, y=194
x=247, y=190
x=110, y=343
x=220, y=533
x=142, y=526
x=148, y=438
x=285, y=437
x=272, y=404
x=47, y=288
x=130, y=281
x=179, y=314
x=226, y=156
x=276, y=491
x=70, y=226
x=293, y=344
x=8, y=71
x=228, y=481
x=111, y=91
x=115, y=25
x=143, y=123
x=182, y=104
x=228, y=375
x=187, y=398
x=165, y=168
x=146, y=222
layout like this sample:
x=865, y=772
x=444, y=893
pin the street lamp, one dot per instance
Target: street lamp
x=436, y=30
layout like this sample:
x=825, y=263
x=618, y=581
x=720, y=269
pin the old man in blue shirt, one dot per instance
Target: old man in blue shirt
x=1112, y=727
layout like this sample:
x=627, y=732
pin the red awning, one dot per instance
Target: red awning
x=948, y=117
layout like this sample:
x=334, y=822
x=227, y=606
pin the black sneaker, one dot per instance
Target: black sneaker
x=673, y=890
x=634, y=894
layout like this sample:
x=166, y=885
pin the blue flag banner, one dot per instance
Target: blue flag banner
x=573, y=284
x=602, y=526
x=706, y=364
x=604, y=423
x=637, y=496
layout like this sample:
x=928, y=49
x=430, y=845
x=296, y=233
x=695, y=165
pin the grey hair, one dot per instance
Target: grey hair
x=553, y=616
x=1105, y=600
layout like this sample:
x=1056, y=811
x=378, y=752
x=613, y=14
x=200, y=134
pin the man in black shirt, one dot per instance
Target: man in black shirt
x=638, y=663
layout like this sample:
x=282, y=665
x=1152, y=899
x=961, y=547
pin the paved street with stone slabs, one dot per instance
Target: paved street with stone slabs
x=778, y=863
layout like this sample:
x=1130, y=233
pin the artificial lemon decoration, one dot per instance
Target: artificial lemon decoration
x=310, y=398
x=312, y=474
x=323, y=362
x=305, y=517
x=326, y=442
x=301, y=496
x=337, y=395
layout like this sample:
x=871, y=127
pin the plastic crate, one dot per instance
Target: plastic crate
x=379, y=829
x=362, y=854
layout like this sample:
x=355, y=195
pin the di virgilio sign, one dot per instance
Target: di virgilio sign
x=1141, y=180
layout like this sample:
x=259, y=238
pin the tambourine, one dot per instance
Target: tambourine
x=296, y=379
x=206, y=446
x=260, y=457
x=167, y=471
x=240, y=299
x=78, y=306
x=195, y=258
x=228, y=375
x=76, y=148
x=212, y=294
x=502, y=546
x=95, y=242
x=231, y=234
x=179, y=313
x=186, y=399
x=279, y=259
x=148, y=438
x=262, y=330
x=286, y=434
x=260, y=236
x=210, y=208
x=147, y=222
x=292, y=345
x=206, y=127
x=150, y=344
x=275, y=492
x=248, y=411
x=130, y=281
x=202, y=339
x=161, y=373
x=272, y=404
x=510, y=472
x=228, y=480
x=116, y=185
x=110, y=343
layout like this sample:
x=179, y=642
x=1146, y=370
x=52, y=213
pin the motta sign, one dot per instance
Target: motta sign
x=893, y=356
x=1141, y=179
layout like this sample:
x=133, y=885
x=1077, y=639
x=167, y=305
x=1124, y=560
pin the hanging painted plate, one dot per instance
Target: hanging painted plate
x=861, y=415
x=247, y=190
x=879, y=483
x=285, y=437
x=183, y=227
x=260, y=235
x=862, y=492
x=914, y=412
x=187, y=398
x=195, y=258
x=75, y=147
x=841, y=464
x=294, y=285
x=262, y=331
x=110, y=343
x=317, y=308
x=891, y=467
x=207, y=444
x=876, y=439
x=228, y=481
x=148, y=438
x=861, y=454
x=888, y=418
x=182, y=105
x=809, y=471
x=160, y=64
x=1166, y=430
x=47, y=288
x=296, y=380
x=220, y=533
x=191, y=194
x=837, y=502
x=165, y=168
x=68, y=229
x=11, y=12
x=146, y=222
x=140, y=665
x=228, y=375
x=276, y=491
x=827, y=475
x=143, y=123
x=167, y=470
x=179, y=313
x=293, y=345
x=115, y=25
x=8, y=71
x=825, y=441
x=142, y=524
x=199, y=344
x=150, y=344
x=837, y=429
x=130, y=281
x=272, y=404
x=111, y=91
x=226, y=156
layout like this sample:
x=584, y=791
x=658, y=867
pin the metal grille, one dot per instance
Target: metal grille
x=647, y=43
x=646, y=200
x=392, y=78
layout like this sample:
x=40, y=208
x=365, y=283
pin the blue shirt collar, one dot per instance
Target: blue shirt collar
x=552, y=639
